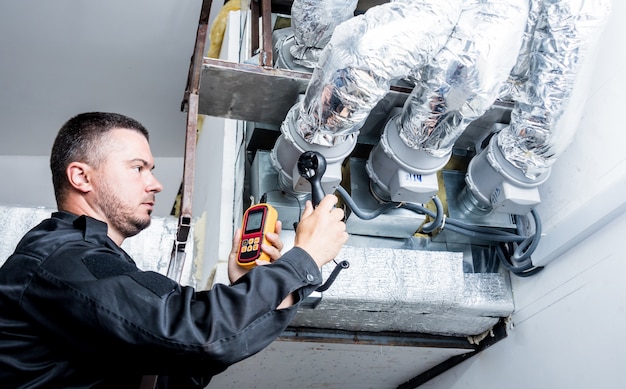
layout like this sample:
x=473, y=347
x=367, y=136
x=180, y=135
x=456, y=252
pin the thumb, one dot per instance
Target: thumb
x=308, y=209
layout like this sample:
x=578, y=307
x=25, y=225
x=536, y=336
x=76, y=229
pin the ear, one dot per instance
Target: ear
x=79, y=176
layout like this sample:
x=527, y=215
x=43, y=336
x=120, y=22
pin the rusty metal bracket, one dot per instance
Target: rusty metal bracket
x=190, y=103
x=195, y=66
x=262, y=9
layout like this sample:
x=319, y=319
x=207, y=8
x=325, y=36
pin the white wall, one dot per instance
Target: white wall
x=570, y=320
x=26, y=182
x=64, y=57
x=218, y=178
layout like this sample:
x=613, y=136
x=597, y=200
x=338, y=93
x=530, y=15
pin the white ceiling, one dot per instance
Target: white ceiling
x=61, y=58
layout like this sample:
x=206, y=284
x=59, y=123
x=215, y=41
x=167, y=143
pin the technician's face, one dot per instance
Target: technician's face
x=126, y=188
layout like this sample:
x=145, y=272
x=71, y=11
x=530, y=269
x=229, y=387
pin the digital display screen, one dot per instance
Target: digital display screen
x=254, y=221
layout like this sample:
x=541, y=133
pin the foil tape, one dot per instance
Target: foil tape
x=364, y=55
x=465, y=77
x=564, y=32
x=403, y=290
x=314, y=22
x=150, y=249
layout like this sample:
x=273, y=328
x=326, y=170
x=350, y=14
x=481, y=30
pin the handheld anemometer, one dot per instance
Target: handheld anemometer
x=258, y=220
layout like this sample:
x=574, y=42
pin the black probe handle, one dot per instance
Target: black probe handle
x=312, y=166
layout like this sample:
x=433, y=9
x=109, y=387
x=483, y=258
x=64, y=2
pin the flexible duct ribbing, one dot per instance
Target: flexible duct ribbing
x=465, y=77
x=564, y=32
x=314, y=22
x=519, y=73
x=363, y=56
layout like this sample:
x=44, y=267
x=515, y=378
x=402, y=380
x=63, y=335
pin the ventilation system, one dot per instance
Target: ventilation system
x=437, y=122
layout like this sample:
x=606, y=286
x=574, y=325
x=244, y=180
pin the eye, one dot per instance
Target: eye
x=138, y=168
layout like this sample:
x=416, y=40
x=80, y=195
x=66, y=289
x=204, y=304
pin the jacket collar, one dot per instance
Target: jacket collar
x=94, y=231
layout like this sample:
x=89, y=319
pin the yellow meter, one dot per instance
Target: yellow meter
x=258, y=220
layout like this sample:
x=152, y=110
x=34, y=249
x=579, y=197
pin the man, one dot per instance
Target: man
x=75, y=311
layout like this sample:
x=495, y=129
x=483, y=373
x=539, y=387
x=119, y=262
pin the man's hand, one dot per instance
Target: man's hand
x=321, y=231
x=273, y=251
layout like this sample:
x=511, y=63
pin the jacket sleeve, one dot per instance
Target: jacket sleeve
x=159, y=324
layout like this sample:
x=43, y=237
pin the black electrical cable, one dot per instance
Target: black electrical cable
x=430, y=227
x=483, y=233
x=329, y=281
x=528, y=246
x=512, y=250
x=359, y=212
x=524, y=268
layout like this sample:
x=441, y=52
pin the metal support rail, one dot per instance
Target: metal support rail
x=190, y=103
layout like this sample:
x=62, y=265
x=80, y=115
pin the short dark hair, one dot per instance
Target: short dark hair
x=80, y=140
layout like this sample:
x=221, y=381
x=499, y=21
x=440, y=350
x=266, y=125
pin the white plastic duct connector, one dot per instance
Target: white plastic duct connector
x=540, y=130
x=313, y=23
x=287, y=150
x=456, y=87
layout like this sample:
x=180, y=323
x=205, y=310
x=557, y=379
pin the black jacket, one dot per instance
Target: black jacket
x=76, y=312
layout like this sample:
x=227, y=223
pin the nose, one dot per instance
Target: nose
x=154, y=185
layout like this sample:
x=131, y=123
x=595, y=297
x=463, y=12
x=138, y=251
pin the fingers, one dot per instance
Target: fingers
x=236, y=242
x=234, y=270
x=272, y=250
x=328, y=202
x=322, y=232
x=308, y=209
x=275, y=246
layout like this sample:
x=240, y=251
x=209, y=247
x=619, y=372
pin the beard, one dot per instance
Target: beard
x=120, y=215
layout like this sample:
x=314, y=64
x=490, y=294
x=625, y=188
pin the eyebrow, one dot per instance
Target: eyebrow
x=143, y=162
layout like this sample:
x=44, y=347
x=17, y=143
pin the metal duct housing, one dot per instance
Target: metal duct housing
x=387, y=289
x=494, y=184
x=400, y=173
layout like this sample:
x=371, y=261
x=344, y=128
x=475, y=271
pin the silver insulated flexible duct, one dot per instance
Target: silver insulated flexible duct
x=313, y=22
x=456, y=87
x=363, y=56
x=464, y=78
x=506, y=174
x=564, y=32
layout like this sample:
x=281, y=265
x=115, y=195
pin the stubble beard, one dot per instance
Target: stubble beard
x=120, y=215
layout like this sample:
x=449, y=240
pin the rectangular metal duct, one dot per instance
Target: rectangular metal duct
x=402, y=290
